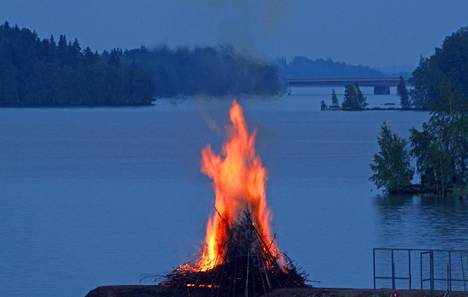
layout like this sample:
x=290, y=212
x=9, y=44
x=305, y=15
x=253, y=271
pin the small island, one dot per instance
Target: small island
x=354, y=100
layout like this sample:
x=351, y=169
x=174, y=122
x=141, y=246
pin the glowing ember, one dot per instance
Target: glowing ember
x=209, y=286
x=239, y=183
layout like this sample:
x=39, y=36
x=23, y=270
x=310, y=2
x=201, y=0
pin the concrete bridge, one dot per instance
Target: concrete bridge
x=381, y=85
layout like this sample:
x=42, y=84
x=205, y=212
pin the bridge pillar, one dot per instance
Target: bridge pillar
x=381, y=90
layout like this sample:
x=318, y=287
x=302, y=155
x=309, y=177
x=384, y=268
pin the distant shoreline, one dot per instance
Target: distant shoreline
x=71, y=106
x=379, y=109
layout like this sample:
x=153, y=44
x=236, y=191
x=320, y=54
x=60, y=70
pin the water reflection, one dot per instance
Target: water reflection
x=422, y=221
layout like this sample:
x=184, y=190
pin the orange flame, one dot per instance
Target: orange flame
x=239, y=182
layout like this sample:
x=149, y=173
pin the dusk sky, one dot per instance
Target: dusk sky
x=376, y=33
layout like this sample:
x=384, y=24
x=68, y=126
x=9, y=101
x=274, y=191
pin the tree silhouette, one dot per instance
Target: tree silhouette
x=39, y=72
x=403, y=93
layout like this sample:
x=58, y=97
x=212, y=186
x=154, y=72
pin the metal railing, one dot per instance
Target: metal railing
x=434, y=269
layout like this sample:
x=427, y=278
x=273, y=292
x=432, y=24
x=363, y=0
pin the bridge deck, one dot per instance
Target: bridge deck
x=362, y=82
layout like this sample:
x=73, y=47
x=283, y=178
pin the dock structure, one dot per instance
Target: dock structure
x=428, y=269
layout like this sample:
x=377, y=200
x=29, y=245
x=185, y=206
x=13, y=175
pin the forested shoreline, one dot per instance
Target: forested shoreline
x=446, y=68
x=38, y=71
x=440, y=149
x=45, y=72
x=304, y=67
x=205, y=71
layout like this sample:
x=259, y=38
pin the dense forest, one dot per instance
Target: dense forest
x=303, y=67
x=447, y=67
x=46, y=72
x=43, y=72
x=205, y=71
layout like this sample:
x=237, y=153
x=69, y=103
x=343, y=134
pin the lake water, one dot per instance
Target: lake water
x=109, y=195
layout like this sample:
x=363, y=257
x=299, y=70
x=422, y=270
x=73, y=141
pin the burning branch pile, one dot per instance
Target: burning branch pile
x=240, y=255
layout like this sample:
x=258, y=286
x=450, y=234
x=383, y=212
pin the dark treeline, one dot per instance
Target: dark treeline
x=205, y=71
x=45, y=72
x=303, y=67
x=49, y=72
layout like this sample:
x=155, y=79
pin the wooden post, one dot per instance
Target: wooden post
x=246, y=294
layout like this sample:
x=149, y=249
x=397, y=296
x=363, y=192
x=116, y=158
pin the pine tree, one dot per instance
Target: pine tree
x=349, y=101
x=74, y=53
x=335, y=99
x=323, y=105
x=114, y=58
x=8, y=84
x=62, y=50
x=89, y=57
x=353, y=98
x=403, y=93
x=360, y=98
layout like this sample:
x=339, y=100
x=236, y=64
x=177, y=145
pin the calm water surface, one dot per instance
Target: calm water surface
x=106, y=196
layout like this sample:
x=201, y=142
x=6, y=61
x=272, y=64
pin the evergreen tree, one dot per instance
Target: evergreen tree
x=89, y=57
x=353, y=98
x=74, y=53
x=35, y=72
x=350, y=99
x=62, y=50
x=114, y=58
x=323, y=105
x=8, y=72
x=391, y=166
x=403, y=93
x=360, y=98
x=335, y=99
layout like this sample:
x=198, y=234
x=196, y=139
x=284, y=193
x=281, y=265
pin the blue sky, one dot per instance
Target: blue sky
x=373, y=32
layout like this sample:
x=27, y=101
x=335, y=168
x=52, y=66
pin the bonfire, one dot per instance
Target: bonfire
x=239, y=256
